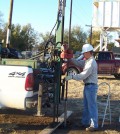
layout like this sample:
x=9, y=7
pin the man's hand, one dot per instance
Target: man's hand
x=68, y=78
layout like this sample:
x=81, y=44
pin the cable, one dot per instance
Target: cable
x=53, y=28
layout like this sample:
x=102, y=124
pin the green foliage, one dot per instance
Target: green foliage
x=78, y=38
x=3, y=32
x=45, y=38
x=95, y=38
x=1, y=19
x=110, y=46
x=23, y=38
x=2, y=29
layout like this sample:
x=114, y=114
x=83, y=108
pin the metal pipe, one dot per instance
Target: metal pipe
x=103, y=14
x=54, y=106
x=9, y=24
x=65, y=105
x=90, y=32
x=63, y=89
x=39, y=106
x=63, y=20
x=70, y=24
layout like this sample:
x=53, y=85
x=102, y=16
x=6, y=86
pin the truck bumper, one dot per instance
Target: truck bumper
x=30, y=102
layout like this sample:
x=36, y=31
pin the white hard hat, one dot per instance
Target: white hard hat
x=87, y=48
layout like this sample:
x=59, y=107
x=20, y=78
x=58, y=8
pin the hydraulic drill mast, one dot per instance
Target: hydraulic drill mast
x=59, y=41
x=60, y=23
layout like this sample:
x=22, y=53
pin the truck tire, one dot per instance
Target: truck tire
x=72, y=71
x=117, y=76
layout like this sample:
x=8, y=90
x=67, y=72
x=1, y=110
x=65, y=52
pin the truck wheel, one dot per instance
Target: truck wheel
x=72, y=71
x=117, y=76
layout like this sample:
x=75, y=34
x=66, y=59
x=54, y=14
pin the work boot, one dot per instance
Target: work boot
x=91, y=129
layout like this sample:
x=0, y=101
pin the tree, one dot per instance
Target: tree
x=23, y=38
x=1, y=20
x=3, y=32
x=2, y=25
x=78, y=38
x=110, y=46
x=95, y=38
x=44, y=39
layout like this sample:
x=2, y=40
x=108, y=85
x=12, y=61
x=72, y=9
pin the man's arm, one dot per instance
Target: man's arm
x=80, y=63
x=84, y=74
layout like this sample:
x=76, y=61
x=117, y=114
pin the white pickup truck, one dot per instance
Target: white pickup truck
x=19, y=83
x=16, y=87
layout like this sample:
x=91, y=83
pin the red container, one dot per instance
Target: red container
x=67, y=55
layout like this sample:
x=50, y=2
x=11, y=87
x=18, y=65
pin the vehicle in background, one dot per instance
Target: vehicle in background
x=26, y=54
x=11, y=53
x=116, y=52
x=77, y=54
x=47, y=56
x=117, y=56
x=71, y=68
x=107, y=64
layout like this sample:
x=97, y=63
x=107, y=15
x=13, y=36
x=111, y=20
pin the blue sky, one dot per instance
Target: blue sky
x=42, y=14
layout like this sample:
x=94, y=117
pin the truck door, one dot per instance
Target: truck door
x=105, y=62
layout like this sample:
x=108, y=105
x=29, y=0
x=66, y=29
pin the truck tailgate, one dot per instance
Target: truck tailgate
x=12, y=86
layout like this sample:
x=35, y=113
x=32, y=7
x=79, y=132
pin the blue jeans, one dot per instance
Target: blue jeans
x=90, y=111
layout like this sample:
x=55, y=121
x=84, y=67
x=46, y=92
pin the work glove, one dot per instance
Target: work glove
x=68, y=77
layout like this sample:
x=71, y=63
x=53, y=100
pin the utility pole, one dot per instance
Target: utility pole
x=9, y=24
x=90, y=33
x=70, y=24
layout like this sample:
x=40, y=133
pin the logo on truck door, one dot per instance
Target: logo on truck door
x=17, y=74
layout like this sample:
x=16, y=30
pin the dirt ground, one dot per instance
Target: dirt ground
x=14, y=121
